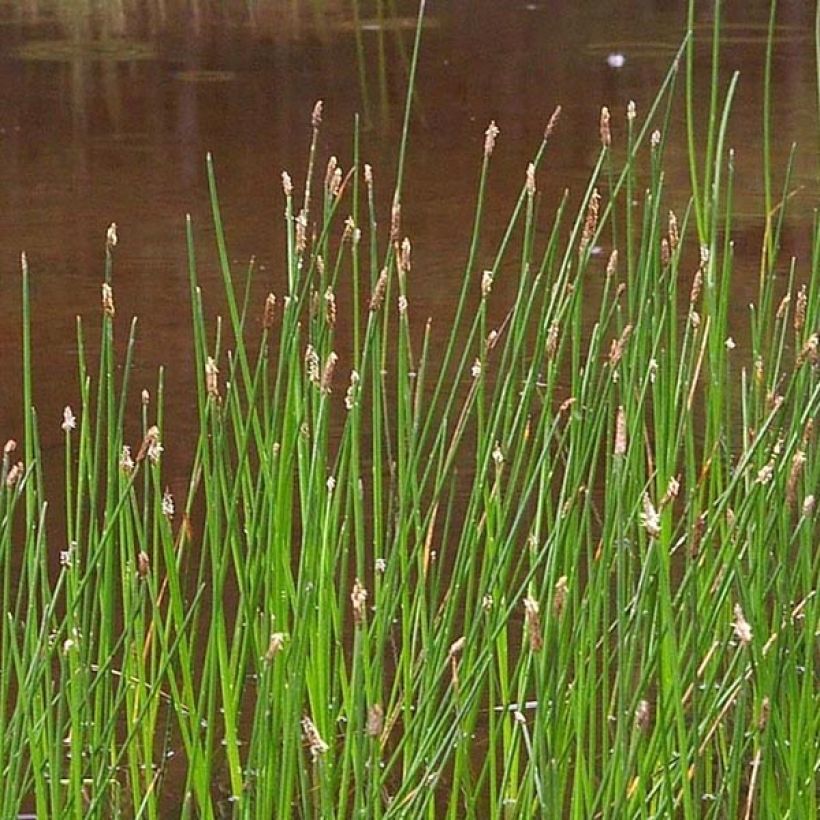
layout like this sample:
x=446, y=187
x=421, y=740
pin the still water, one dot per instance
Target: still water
x=107, y=111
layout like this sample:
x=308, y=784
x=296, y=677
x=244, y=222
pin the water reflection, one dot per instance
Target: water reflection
x=107, y=110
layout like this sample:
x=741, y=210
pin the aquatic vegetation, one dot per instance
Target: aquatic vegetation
x=563, y=563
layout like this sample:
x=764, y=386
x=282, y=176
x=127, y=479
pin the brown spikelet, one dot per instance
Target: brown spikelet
x=809, y=352
x=143, y=564
x=287, y=184
x=107, y=300
x=330, y=171
x=532, y=620
x=643, y=716
x=404, y=256
x=327, y=372
x=612, y=264
x=149, y=442
x=763, y=718
x=553, y=122
x=620, y=433
x=798, y=460
x=313, y=740
x=377, y=297
x=782, y=307
x=14, y=474
x=800, y=310
x=674, y=235
x=395, y=222
x=559, y=600
x=606, y=132
x=697, y=284
x=616, y=349
x=742, y=629
x=808, y=433
x=591, y=221
x=269, y=313
x=697, y=534
x=312, y=364
x=552, y=341
x=530, y=182
x=212, y=378
x=666, y=255
x=375, y=720
x=275, y=645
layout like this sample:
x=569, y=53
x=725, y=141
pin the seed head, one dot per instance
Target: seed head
x=783, y=307
x=330, y=306
x=616, y=349
x=655, y=139
x=14, y=474
x=150, y=446
x=475, y=370
x=490, y=136
x=551, y=347
x=765, y=709
x=612, y=264
x=808, y=506
x=631, y=111
x=591, y=221
x=674, y=235
x=350, y=396
x=798, y=460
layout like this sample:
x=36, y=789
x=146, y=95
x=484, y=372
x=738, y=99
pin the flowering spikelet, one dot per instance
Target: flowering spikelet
x=395, y=222
x=327, y=372
x=490, y=136
x=126, y=462
x=269, y=313
x=313, y=740
x=358, y=598
x=69, y=421
x=530, y=184
x=150, y=445
x=287, y=184
x=800, y=309
x=107, y=300
x=612, y=264
x=606, y=133
x=650, y=519
x=674, y=235
x=551, y=346
x=402, y=304
x=301, y=232
x=553, y=122
x=616, y=349
x=782, y=307
x=643, y=716
x=591, y=221
x=672, y=490
x=532, y=620
x=375, y=720
x=809, y=352
x=475, y=370
x=143, y=564
x=631, y=111
x=404, y=256
x=212, y=378
x=316, y=115
x=168, y=504
x=666, y=255
x=111, y=236
x=14, y=474
x=620, y=433
x=559, y=599
x=377, y=297
x=655, y=138
x=275, y=645
x=312, y=364
x=763, y=719
x=697, y=534
x=743, y=632
x=808, y=506
x=697, y=284
x=350, y=396
x=368, y=175
x=330, y=306
x=486, y=283
x=798, y=460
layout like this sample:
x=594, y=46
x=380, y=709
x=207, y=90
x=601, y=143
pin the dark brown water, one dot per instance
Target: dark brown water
x=107, y=111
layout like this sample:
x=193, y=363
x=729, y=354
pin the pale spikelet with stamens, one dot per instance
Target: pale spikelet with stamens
x=798, y=460
x=643, y=716
x=111, y=238
x=330, y=306
x=69, y=421
x=672, y=490
x=486, y=283
x=287, y=184
x=301, y=232
x=313, y=740
x=150, y=446
x=326, y=381
x=168, y=504
x=553, y=122
x=631, y=111
x=368, y=176
x=107, y=300
x=404, y=256
x=666, y=255
x=490, y=136
x=332, y=166
x=212, y=378
x=591, y=221
x=559, y=598
x=9, y=447
x=650, y=518
x=783, y=307
x=456, y=648
x=808, y=433
x=475, y=370
x=143, y=564
x=606, y=132
x=655, y=139
x=808, y=506
x=620, y=433
x=126, y=462
x=14, y=474
x=551, y=347
x=312, y=364
x=269, y=313
x=809, y=352
x=743, y=631
x=800, y=309
x=765, y=473
x=612, y=264
x=375, y=721
x=616, y=349
x=697, y=285
x=532, y=620
x=492, y=339
x=530, y=182
x=316, y=114
x=402, y=304
x=347, y=235
x=358, y=597
x=350, y=396
x=275, y=646
x=674, y=235
x=377, y=297
x=145, y=397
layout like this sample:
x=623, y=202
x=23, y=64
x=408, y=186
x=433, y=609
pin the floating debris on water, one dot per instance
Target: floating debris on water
x=116, y=50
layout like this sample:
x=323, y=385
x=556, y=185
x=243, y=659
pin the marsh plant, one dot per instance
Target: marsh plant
x=563, y=564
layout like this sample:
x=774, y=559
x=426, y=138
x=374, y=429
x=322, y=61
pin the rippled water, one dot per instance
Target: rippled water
x=107, y=111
